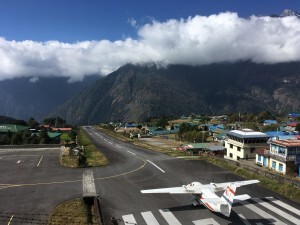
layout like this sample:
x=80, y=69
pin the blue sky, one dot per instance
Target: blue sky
x=78, y=20
x=77, y=38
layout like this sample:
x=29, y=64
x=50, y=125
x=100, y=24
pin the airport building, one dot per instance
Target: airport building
x=242, y=144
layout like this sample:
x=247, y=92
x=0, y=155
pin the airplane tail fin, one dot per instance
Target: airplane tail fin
x=228, y=196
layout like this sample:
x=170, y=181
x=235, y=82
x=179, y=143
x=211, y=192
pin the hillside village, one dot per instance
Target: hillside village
x=262, y=139
x=269, y=143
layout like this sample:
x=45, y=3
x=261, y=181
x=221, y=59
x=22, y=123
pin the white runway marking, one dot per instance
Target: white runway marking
x=209, y=221
x=169, y=217
x=245, y=221
x=129, y=219
x=131, y=152
x=156, y=166
x=263, y=214
x=40, y=161
x=149, y=218
x=278, y=211
x=284, y=205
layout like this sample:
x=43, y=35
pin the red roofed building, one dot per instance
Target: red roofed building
x=283, y=156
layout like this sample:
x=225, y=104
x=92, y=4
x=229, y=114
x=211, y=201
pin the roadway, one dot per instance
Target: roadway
x=33, y=183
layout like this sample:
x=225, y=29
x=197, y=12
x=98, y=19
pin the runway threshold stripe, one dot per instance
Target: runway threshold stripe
x=278, y=211
x=10, y=219
x=263, y=214
x=243, y=218
x=284, y=205
x=129, y=219
x=156, y=166
x=209, y=221
x=40, y=161
x=149, y=218
x=169, y=217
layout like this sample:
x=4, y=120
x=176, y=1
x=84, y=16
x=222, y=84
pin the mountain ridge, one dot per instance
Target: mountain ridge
x=135, y=92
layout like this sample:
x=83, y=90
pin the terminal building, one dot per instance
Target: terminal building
x=242, y=144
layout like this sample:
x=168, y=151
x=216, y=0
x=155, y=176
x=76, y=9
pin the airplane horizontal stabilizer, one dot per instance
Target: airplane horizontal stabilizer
x=239, y=198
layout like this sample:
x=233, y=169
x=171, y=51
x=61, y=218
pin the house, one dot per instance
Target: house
x=241, y=144
x=269, y=122
x=196, y=148
x=283, y=156
x=293, y=115
x=4, y=128
x=291, y=126
x=161, y=131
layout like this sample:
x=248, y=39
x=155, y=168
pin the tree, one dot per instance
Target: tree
x=33, y=123
x=297, y=127
x=17, y=139
x=44, y=137
x=73, y=134
x=26, y=137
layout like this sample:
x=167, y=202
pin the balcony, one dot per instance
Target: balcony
x=279, y=157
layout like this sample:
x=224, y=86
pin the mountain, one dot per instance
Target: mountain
x=288, y=12
x=20, y=98
x=134, y=93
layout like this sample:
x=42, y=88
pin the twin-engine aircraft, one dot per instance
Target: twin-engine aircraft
x=205, y=194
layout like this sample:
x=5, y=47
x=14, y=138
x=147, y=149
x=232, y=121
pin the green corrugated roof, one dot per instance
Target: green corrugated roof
x=4, y=128
x=54, y=134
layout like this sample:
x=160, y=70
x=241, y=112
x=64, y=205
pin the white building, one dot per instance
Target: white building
x=282, y=157
x=241, y=144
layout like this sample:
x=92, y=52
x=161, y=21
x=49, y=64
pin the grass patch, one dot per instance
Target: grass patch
x=93, y=157
x=71, y=212
x=65, y=137
x=69, y=161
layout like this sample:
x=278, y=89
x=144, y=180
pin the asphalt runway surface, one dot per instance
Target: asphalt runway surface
x=32, y=184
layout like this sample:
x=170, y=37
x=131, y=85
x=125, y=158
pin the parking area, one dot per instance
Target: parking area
x=32, y=183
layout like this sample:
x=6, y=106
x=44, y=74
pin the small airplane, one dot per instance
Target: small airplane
x=205, y=194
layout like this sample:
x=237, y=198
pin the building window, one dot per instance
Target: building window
x=280, y=167
x=252, y=150
x=274, y=165
x=238, y=158
x=231, y=146
x=239, y=149
x=230, y=155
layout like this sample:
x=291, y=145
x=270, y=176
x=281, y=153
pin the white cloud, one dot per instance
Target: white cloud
x=196, y=40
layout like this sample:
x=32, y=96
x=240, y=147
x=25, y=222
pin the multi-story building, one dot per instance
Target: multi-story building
x=283, y=156
x=241, y=144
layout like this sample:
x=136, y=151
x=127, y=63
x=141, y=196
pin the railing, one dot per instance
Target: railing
x=280, y=157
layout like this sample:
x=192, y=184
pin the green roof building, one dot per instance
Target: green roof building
x=4, y=128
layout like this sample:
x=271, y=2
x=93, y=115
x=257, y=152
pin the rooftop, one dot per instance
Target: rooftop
x=286, y=143
x=247, y=133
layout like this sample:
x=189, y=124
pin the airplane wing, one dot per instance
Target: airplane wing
x=198, y=188
x=174, y=190
x=222, y=186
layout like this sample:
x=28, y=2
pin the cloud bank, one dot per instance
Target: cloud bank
x=197, y=40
